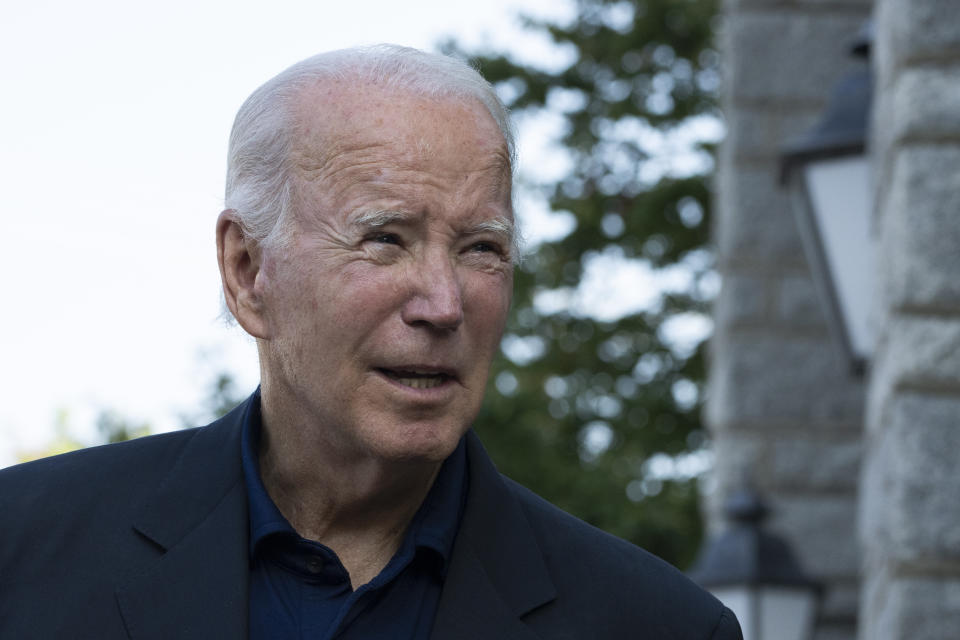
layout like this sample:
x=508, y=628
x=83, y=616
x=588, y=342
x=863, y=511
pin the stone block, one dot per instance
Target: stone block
x=759, y=378
x=760, y=132
x=800, y=4
x=835, y=632
x=921, y=230
x=910, y=517
x=755, y=222
x=840, y=602
x=820, y=465
x=913, y=351
x=911, y=30
x=924, y=104
x=742, y=299
x=822, y=531
x=916, y=351
x=786, y=56
x=736, y=455
x=871, y=512
x=798, y=303
x=916, y=609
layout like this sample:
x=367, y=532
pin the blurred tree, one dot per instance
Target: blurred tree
x=593, y=408
x=62, y=442
x=111, y=427
x=222, y=396
x=115, y=428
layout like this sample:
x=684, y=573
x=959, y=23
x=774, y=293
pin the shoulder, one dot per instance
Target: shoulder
x=69, y=518
x=580, y=581
x=624, y=584
x=583, y=544
x=80, y=509
x=71, y=490
x=113, y=470
x=74, y=524
x=88, y=470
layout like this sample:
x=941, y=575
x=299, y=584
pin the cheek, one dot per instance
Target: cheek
x=490, y=302
x=361, y=296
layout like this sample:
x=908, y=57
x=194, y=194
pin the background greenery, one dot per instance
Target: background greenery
x=581, y=406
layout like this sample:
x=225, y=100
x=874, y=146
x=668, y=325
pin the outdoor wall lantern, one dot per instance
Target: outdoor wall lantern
x=756, y=574
x=826, y=172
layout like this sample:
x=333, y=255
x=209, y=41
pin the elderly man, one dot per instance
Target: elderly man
x=367, y=246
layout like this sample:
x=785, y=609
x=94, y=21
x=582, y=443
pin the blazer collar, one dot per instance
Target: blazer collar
x=198, y=520
x=497, y=572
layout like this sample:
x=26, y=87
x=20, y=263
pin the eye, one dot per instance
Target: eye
x=385, y=238
x=484, y=247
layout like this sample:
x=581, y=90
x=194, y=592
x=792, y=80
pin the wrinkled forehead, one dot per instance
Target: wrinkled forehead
x=338, y=116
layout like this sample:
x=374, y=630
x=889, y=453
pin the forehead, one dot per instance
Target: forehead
x=338, y=119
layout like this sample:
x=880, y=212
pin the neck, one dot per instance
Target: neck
x=356, y=505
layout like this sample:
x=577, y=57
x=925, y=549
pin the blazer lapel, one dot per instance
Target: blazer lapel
x=198, y=521
x=497, y=574
x=472, y=607
x=198, y=518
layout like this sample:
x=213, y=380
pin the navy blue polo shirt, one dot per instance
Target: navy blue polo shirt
x=299, y=588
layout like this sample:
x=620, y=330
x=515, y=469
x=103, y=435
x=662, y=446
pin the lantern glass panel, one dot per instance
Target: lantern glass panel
x=786, y=613
x=742, y=600
x=771, y=612
x=839, y=195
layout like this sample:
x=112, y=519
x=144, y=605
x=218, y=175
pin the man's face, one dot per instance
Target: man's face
x=384, y=310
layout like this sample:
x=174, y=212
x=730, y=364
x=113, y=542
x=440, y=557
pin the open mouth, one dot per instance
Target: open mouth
x=415, y=379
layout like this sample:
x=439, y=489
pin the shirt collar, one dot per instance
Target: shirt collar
x=433, y=527
x=265, y=517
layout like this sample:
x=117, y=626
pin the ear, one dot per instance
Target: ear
x=239, y=259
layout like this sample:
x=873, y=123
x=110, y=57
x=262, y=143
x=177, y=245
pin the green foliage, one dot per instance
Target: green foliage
x=115, y=428
x=581, y=405
x=222, y=396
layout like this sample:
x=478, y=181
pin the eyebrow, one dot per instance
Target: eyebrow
x=377, y=219
x=501, y=226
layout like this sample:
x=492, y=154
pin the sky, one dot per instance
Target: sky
x=113, y=136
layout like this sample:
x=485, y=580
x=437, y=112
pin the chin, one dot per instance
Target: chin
x=423, y=443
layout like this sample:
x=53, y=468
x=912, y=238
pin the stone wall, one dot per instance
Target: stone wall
x=782, y=404
x=910, y=511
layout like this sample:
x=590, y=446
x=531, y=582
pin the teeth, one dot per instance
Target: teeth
x=416, y=380
x=421, y=383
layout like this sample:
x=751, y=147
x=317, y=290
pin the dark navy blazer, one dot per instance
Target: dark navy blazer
x=148, y=539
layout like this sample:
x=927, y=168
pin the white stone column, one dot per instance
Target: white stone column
x=910, y=517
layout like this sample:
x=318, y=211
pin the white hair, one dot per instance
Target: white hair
x=258, y=176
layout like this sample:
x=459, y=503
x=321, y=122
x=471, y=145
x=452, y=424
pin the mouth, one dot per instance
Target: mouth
x=417, y=377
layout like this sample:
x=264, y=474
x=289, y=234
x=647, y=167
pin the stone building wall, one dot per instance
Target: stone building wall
x=782, y=404
x=910, y=506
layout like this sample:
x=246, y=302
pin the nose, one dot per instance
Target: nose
x=437, y=297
